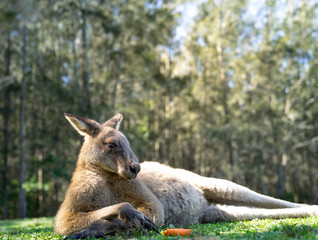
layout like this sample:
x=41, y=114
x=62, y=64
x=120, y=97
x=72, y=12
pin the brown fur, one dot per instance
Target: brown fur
x=106, y=195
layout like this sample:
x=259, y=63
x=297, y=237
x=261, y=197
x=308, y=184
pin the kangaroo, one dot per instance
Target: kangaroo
x=110, y=191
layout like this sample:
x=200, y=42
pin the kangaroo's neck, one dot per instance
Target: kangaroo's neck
x=85, y=163
x=88, y=166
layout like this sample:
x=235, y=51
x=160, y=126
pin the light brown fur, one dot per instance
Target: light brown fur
x=107, y=195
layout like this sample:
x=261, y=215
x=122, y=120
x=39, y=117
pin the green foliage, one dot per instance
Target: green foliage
x=306, y=228
x=237, y=99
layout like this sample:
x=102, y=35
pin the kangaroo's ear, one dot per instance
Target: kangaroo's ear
x=83, y=125
x=114, y=122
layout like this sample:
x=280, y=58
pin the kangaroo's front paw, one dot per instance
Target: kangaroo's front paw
x=97, y=229
x=140, y=221
x=86, y=234
x=135, y=219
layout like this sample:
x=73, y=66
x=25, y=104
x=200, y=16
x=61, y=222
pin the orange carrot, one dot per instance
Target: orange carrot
x=177, y=232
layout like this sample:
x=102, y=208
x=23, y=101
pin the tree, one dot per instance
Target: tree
x=22, y=197
x=7, y=19
x=236, y=99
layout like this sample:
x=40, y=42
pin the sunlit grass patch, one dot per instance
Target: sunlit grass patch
x=24, y=223
x=34, y=228
x=299, y=228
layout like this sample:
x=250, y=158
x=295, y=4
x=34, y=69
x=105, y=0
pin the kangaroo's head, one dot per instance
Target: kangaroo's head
x=105, y=146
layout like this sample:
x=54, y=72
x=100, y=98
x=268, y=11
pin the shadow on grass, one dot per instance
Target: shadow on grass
x=293, y=230
x=7, y=225
x=258, y=229
x=22, y=230
x=280, y=231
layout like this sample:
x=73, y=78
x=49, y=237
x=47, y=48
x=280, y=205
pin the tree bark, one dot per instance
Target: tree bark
x=224, y=82
x=85, y=74
x=316, y=197
x=276, y=158
x=75, y=69
x=40, y=194
x=22, y=197
x=6, y=132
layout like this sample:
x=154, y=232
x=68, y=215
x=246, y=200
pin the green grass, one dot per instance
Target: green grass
x=299, y=228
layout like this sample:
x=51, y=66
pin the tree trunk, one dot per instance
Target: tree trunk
x=22, y=197
x=75, y=69
x=115, y=92
x=156, y=133
x=40, y=194
x=6, y=132
x=167, y=132
x=224, y=82
x=316, y=197
x=285, y=157
x=85, y=74
x=276, y=158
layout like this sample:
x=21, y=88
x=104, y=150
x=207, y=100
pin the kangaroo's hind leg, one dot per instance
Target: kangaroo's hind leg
x=221, y=213
x=226, y=192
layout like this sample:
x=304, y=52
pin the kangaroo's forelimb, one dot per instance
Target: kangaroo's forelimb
x=105, y=220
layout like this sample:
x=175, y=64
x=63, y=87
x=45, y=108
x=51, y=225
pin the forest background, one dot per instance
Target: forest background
x=223, y=88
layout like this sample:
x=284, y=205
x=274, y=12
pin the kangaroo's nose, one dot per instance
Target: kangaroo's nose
x=134, y=168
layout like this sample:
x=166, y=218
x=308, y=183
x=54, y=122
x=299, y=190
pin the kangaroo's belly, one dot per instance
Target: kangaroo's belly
x=183, y=203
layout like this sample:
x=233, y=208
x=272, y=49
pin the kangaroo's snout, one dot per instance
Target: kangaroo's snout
x=129, y=168
x=135, y=168
x=132, y=167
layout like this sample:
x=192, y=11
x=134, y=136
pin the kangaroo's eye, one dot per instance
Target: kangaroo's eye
x=111, y=145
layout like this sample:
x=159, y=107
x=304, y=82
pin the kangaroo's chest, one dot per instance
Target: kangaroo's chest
x=182, y=202
x=126, y=191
